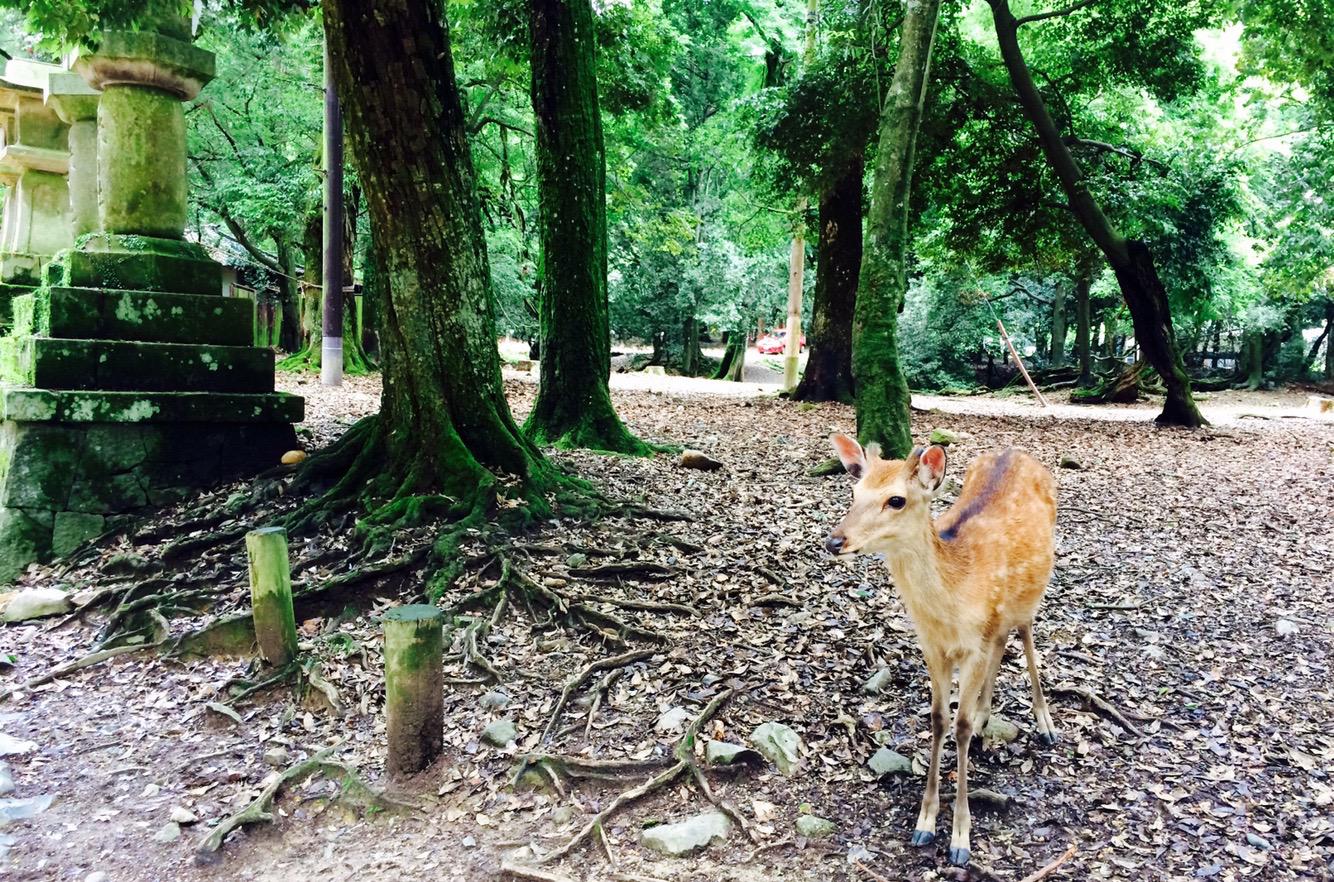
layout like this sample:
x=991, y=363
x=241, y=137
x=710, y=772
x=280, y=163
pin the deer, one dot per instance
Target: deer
x=968, y=579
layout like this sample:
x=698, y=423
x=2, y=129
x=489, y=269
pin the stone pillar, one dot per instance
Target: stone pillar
x=75, y=102
x=129, y=381
x=33, y=162
x=143, y=77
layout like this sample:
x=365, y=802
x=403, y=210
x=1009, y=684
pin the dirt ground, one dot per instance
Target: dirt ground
x=1192, y=595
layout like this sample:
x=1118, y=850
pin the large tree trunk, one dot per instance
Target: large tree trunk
x=1329, y=341
x=828, y=374
x=289, y=331
x=1084, y=323
x=883, y=399
x=444, y=426
x=1130, y=258
x=1056, y=356
x=573, y=407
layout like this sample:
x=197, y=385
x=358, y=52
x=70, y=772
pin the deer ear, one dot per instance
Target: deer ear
x=931, y=467
x=850, y=453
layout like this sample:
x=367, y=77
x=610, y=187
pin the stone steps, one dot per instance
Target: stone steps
x=45, y=406
x=128, y=365
x=148, y=316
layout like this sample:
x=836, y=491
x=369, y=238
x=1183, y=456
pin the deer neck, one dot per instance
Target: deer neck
x=921, y=569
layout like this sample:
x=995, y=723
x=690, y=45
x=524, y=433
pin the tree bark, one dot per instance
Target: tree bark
x=1130, y=258
x=828, y=374
x=883, y=399
x=1084, y=323
x=1056, y=350
x=573, y=406
x=444, y=426
x=289, y=333
x=1329, y=341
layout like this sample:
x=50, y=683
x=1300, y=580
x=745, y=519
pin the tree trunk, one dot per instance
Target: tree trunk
x=883, y=399
x=573, y=406
x=1058, y=328
x=828, y=375
x=733, y=364
x=1130, y=258
x=444, y=425
x=692, y=357
x=1255, y=360
x=1083, y=323
x=289, y=335
x=1329, y=341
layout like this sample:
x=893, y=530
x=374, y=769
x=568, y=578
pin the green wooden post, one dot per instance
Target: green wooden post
x=414, y=687
x=271, y=594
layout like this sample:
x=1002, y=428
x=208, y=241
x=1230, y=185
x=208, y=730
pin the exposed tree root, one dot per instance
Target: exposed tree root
x=1100, y=704
x=582, y=677
x=260, y=810
x=685, y=764
x=519, y=871
x=635, y=569
x=644, y=605
x=78, y=664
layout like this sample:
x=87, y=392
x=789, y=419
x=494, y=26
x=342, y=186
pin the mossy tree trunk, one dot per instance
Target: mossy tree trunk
x=289, y=333
x=1084, y=322
x=1131, y=260
x=1056, y=351
x=309, y=353
x=828, y=374
x=444, y=427
x=573, y=406
x=733, y=364
x=883, y=400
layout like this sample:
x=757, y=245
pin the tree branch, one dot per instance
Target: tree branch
x=1104, y=147
x=238, y=232
x=1055, y=13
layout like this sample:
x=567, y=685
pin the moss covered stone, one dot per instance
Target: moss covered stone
x=25, y=536
x=42, y=405
x=71, y=529
x=58, y=363
x=135, y=270
x=40, y=466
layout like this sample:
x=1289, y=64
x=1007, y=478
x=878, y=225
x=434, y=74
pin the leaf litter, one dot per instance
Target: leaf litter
x=1185, y=641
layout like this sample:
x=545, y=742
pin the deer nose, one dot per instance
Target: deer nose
x=834, y=544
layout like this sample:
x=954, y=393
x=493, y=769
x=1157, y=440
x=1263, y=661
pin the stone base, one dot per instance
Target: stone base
x=8, y=294
x=135, y=263
x=61, y=483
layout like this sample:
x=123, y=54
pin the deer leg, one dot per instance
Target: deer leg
x=993, y=668
x=939, y=668
x=1041, y=715
x=972, y=677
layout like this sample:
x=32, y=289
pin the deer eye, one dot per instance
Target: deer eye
x=895, y=502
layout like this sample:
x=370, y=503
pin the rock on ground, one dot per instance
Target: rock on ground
x=34, y=603
x=500, y=733
x=813, y=827
x=889, y=762
x=688, y=836
x=778, y=744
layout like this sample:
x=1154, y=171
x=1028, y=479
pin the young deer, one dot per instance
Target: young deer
x=967, y=579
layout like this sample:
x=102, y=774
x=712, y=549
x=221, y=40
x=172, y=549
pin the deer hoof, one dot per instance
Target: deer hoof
x=959, y=856
x=1048, y=738
x=923, y=837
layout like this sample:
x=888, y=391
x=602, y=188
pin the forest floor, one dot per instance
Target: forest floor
x=1192, y=594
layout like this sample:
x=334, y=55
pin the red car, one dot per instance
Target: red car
x=775, y=342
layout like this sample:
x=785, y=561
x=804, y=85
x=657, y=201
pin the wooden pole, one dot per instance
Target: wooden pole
x=796, y=270
x=271, y=594
x=414, y=687
x=1019, y=363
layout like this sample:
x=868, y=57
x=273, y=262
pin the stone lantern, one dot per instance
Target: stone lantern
x=129, y=380
x=34, y=160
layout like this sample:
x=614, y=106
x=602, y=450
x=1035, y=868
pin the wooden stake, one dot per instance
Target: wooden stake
x=414, y=687
x=1008, y=345
x=271, y=594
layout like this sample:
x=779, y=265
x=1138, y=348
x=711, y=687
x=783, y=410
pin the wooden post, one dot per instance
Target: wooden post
x=414, y=687
x=271, y=594
x=1018, y=363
